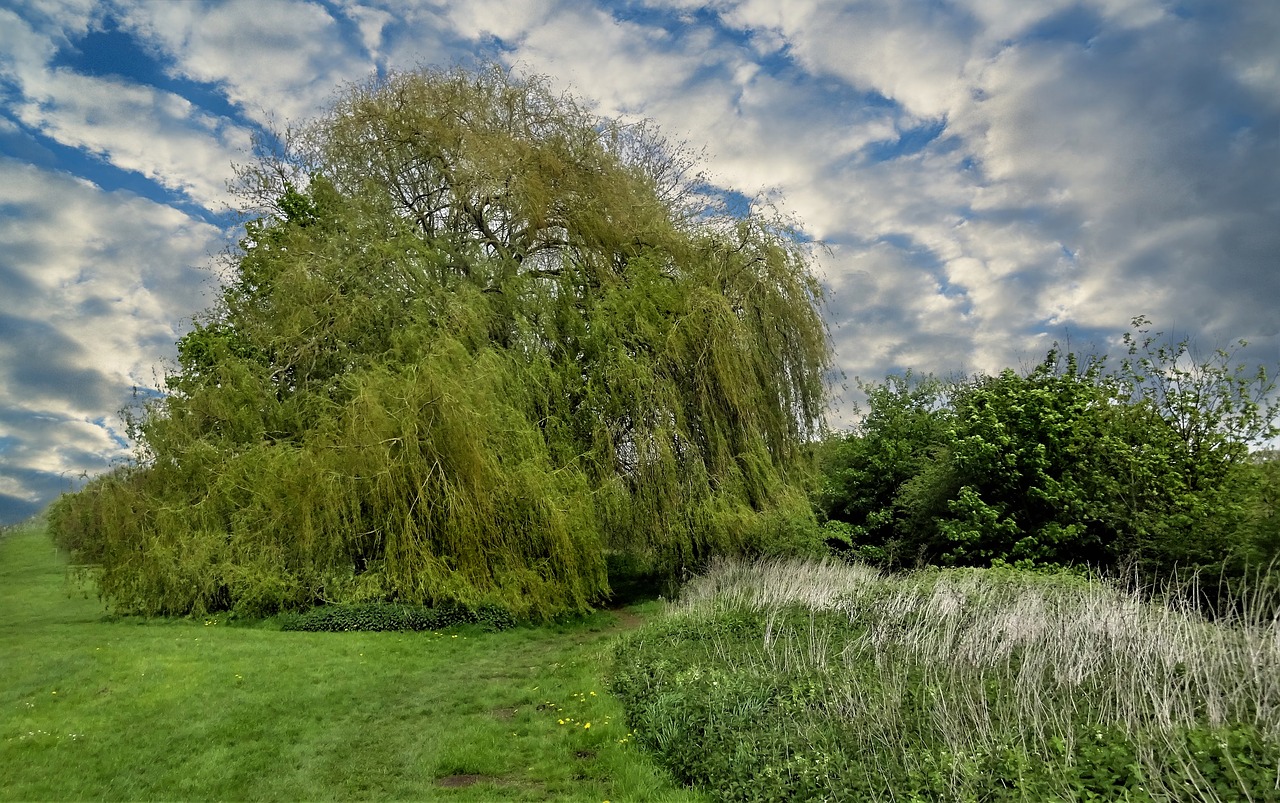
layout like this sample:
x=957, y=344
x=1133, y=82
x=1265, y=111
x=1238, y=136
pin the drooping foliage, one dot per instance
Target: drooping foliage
x=475, y=341
x=1142, y=466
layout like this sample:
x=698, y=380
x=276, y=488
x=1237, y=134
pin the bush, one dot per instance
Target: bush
x=908, y=419
x=1142, y=467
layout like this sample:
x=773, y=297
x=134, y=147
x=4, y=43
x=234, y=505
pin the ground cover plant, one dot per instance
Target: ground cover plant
x=121, y=708
x=382, y=616
x=787, y=681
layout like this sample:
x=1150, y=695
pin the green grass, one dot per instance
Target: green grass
x=96, y=707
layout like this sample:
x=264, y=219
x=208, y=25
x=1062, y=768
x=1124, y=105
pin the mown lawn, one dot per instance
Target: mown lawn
x=96, y=707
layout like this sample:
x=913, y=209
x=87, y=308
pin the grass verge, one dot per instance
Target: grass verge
x=95, y=707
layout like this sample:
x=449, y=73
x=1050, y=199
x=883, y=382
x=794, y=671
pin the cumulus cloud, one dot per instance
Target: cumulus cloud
x=1127, y=153
x=157, y=134
x=763, y=132
x=507, y=21
x=141, y=129
x=1083, y=162
x=109, y=270
x=97, y=287
x=1093, y=161
x=988, y=175
x=373, y=23
x=276, y=59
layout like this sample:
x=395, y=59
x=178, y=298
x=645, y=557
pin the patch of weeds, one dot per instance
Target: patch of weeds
x=954, y=686
x=578, y=712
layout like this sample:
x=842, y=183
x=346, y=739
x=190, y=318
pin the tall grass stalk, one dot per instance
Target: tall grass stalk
x=985, y=661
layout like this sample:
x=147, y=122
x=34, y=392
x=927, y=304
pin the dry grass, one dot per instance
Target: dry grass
x=1001, y=652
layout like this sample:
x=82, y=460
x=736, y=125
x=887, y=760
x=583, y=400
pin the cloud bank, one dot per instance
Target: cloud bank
x=986, y=176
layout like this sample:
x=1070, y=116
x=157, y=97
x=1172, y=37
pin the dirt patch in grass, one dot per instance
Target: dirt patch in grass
x=459, y=781
x=626, y=620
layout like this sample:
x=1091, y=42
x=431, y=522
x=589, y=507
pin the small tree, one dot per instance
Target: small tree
x=475, y=340
x=1217, y=409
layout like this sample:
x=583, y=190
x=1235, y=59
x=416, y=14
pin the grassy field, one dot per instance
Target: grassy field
x=95, y=707
x=771, y=681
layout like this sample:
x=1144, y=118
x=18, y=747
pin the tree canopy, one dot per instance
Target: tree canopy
x=475, y=340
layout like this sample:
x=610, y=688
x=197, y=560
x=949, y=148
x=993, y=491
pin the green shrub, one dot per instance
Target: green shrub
x=1143, y=466
x=389, y=616
x=863, y=472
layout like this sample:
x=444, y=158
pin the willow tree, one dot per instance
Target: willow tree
x=475, y=340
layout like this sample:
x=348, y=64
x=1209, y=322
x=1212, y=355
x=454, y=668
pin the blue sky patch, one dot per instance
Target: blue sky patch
x=909, y=142
x=112, y=53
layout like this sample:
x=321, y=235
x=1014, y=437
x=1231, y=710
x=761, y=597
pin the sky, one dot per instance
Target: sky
x=986, y=177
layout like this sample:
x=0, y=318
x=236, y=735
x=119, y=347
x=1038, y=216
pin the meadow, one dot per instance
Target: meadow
x=764, y=681
x=826, y=681
x=119, y=708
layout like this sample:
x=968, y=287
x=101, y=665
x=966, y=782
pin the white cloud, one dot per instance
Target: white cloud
x=22, y=50
x=98, y=287
x=59, y=19
x=913, y=53
x=372, y=23
x=137, y=128
x=509, y=21
x=422, y=35
x=281, y=57
x=622, y=66
x=762, y=132
x=889, y=312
